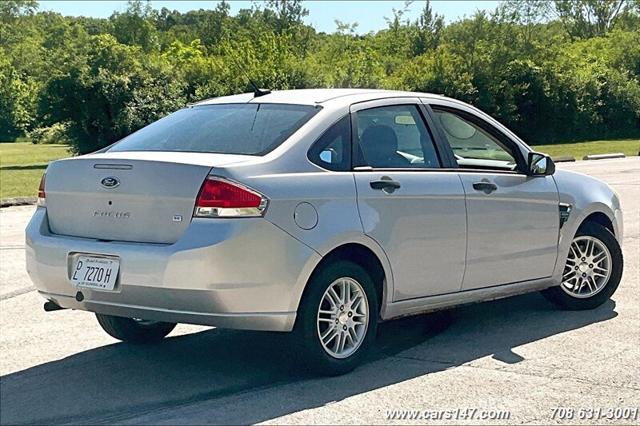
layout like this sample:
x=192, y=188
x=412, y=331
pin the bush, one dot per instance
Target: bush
x=117, y=91
x=54, y=134
x=107, y=77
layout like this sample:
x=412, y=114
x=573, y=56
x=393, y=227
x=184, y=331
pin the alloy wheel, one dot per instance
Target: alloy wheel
x=588, y=267
x=343, y=318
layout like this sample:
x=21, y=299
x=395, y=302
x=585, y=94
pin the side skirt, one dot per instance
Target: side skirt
x=443, y=301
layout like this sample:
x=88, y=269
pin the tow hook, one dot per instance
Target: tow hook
x=52, y=306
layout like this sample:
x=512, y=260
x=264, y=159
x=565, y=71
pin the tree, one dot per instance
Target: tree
x=430, y=27
x=526, y=16
x=589, y=18
x=134, y=26
x=110, y=95
x=288, y=13
x=17, y=101
x=343, y=60
x=549, y=70
x=13, y=9
x=209, y=26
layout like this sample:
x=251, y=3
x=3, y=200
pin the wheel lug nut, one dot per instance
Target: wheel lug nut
x=591, y=266
x=344, y=327
x=342, y=308
x=584, y=275
x=350, y=314
x=584, y=258
x=576, y=268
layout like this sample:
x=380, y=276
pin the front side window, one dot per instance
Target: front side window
x=251, y=129
x=473, y=146
x=394, y=137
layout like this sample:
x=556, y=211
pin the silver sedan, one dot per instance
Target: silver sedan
x=321, y=212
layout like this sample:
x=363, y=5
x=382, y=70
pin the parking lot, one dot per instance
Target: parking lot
x=518, y=356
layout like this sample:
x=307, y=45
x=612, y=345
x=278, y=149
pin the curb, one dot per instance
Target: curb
x=563, y=159
x=604, y=156
x=19, y=201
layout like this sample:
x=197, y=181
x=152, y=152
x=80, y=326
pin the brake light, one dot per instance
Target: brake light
x=41, y=193
x=219, y=197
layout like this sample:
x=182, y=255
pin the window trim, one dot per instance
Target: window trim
x=448, y=157
x=506, y=142
x=391, y=102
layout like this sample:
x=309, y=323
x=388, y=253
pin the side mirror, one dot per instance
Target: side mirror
x=540, y=165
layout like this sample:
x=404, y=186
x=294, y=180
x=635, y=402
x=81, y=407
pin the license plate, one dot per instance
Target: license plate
x=99, y=273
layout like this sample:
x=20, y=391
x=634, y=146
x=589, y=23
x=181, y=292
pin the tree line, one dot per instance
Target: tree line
x=551, y=71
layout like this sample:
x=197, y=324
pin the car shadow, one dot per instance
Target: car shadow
x=117, y=382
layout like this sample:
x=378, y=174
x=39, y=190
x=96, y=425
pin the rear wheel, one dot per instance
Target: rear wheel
x=592, y=272
x=337, y=318
x=134, y=330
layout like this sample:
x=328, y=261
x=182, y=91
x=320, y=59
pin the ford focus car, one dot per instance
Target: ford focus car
x=318, y=212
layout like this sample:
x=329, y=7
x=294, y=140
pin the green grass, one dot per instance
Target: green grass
x=580, y=149
x=22, y=165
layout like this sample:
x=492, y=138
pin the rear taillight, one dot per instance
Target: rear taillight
x=41, y=193
x=219, y=197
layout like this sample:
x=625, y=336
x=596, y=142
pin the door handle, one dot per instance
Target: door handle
x=385, y=183
x=486, y=187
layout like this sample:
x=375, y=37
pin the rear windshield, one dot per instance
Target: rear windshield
x=252, y=129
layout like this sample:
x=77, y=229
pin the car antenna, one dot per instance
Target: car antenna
x=257, y=92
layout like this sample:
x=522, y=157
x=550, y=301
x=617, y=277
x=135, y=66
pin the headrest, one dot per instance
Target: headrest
x=379, y=138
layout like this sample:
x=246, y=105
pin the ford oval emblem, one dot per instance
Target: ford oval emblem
x=110, y=182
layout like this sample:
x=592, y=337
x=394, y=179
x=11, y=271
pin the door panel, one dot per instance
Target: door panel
x=512, y=229
x=512, y=219
x=415, y=211
x=421, y=226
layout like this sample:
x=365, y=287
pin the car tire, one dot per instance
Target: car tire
x=314, y=321
x=133, y=330
x=566, y=298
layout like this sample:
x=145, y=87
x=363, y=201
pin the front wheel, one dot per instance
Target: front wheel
x=337, y=318
x=592, y=272
x=134, y=330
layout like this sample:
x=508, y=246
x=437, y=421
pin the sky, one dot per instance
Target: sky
x=322, y=14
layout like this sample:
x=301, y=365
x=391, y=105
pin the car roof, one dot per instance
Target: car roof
x=315, y=96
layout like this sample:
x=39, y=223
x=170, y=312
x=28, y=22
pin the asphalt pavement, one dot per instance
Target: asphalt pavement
x=518, y=356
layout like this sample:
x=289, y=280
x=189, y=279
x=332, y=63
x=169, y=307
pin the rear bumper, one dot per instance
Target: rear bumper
x=232, y=273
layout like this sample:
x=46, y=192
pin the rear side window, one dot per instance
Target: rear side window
x=252, y=129
x=333, y=150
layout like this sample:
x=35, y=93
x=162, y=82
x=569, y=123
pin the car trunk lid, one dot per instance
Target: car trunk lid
x=128, y=196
